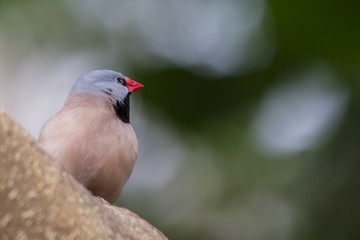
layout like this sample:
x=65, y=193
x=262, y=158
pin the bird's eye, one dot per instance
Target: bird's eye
x=120, y=80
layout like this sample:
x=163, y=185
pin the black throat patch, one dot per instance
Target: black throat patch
x=122, y=109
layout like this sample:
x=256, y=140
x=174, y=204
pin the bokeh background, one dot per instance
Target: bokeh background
x=249, y=122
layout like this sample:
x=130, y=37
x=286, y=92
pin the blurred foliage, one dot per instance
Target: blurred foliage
x=227, y=186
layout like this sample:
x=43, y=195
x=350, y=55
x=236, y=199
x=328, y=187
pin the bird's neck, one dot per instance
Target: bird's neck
x=90, y=101
x=122, y=109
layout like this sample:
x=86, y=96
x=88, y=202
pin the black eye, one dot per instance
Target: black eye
x=120, y=80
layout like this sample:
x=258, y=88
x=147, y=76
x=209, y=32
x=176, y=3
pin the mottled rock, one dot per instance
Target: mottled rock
x=39, y=200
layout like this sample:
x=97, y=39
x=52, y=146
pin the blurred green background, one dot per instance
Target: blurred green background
x=249, y=122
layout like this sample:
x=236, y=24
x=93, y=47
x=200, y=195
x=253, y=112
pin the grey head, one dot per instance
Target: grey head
x=111, y=84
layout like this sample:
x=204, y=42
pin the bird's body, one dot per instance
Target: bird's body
x=92, y=138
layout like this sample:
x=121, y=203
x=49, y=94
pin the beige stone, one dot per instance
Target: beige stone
x=39, y=200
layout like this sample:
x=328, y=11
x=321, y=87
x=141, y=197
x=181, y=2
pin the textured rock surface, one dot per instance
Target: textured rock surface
x=41, y=201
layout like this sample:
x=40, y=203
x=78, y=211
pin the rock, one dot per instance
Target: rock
x=39, y=200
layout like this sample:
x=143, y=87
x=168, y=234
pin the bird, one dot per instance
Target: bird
x=91, y=136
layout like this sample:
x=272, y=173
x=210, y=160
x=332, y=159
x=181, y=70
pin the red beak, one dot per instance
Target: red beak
x=132, y=86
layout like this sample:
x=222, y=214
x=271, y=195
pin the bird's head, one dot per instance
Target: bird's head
x=109, y=84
